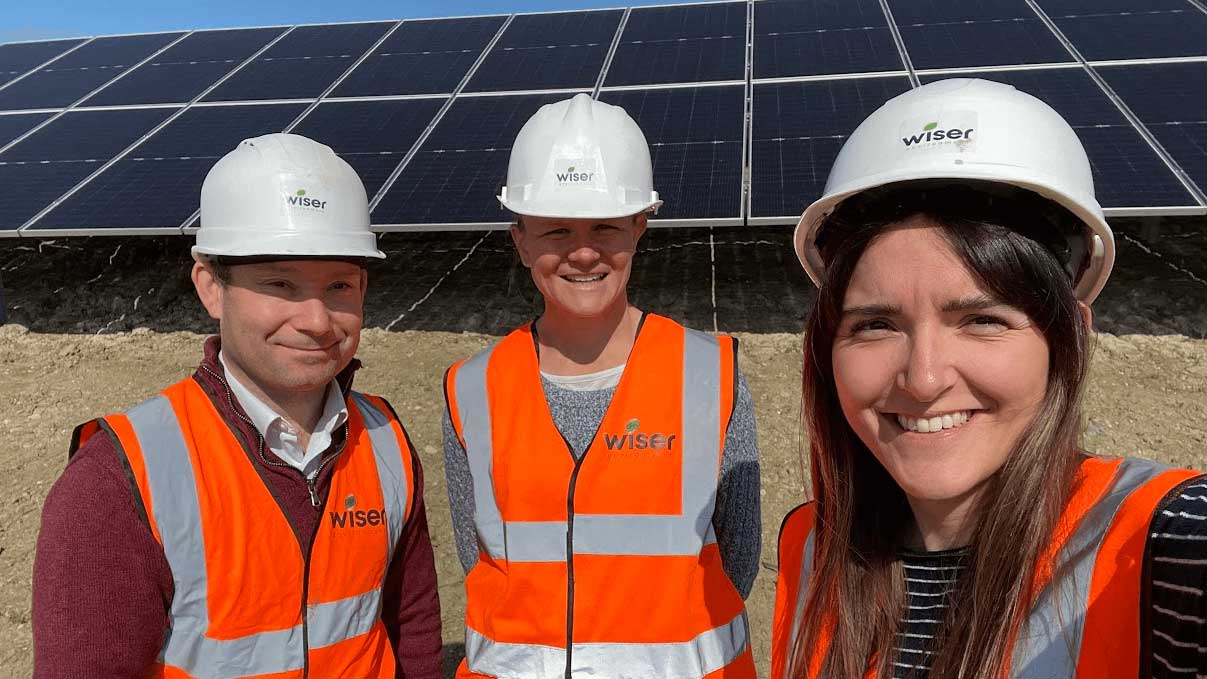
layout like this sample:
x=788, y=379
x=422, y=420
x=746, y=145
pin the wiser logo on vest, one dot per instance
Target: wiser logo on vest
x=632, y=440
x=950, y=130
x=357, y=518
x=304, y=202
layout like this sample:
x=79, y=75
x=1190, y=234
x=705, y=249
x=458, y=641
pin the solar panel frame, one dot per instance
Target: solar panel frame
x=810, y=35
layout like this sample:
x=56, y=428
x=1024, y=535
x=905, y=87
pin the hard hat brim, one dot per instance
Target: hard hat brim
x=1088, y=285
x=597, y=206
x=233, y=242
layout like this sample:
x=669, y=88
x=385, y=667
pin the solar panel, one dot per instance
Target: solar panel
x=157, y=185
x=302, y=64
x=19, y=58
x=426, y=110
x=681, y=44
x=373, y=136
x=15, y=125
x=1127, y=170
x=796, y=131
x=458, y=171
x=75, y=75
x=182, y=72
x=695, y=138
x=422, y=57
x=43, y=166
x=839, y=36
x=982, y=43
x=1145, y=34
x=1175, y=113
x=548, y=51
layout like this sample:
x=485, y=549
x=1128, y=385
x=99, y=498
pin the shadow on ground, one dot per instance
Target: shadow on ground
x=737, y=279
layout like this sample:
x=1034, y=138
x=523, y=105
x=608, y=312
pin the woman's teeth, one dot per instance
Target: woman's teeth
x=926, y=425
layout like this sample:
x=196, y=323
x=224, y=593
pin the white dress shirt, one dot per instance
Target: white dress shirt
x=282, y=438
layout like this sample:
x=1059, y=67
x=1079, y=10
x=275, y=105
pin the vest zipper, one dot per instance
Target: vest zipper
x=578, y=464
x=314, y=501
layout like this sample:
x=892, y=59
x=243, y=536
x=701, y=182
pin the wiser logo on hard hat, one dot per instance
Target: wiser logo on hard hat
x=950, y=130
x=575, y=172
x=300, y=200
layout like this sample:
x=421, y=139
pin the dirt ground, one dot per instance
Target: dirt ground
x=1146, y=398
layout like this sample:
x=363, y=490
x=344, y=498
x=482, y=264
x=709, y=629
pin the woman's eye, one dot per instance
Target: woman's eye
x=987, y=324
x=872, y=325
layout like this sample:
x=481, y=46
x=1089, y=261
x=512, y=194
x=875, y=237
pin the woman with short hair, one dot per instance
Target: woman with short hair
x=957, y=528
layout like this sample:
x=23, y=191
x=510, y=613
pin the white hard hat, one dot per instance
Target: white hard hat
x=580, y=158
x=967, y=129
x=284, y=194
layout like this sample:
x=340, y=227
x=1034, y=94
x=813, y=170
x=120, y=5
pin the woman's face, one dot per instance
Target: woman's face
x=580, y=266
x=936, y=376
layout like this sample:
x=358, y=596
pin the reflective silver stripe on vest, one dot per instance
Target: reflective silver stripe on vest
x=692, y=659
x=177, y=514
x=1050, y=644
x=473, y=409
x=387, y=452
x=604, y=534
x=802, y=594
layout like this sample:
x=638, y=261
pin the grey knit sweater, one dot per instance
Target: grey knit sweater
x=577, y=415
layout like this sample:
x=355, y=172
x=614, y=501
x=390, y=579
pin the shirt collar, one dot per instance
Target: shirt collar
x=263, y=417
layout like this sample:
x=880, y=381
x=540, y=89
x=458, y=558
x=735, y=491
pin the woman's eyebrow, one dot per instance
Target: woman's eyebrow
x=872, y=310
x=971, y=303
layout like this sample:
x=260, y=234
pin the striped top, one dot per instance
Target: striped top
x=1175, y=602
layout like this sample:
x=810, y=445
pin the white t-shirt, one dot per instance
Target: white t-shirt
x=280, y=436
x=604, y=379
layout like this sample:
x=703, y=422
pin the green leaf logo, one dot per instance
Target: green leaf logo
x=930, y=126
x=301, y=192
x=632, y=425
x=570, y=169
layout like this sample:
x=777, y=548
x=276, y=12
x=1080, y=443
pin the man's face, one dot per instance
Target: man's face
x=288, y=326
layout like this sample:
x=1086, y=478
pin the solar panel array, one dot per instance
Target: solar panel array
x=745, y=104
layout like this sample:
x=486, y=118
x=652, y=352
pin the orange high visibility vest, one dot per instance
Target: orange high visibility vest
x=248, y=599
x=1084, y=623
x=608, y=566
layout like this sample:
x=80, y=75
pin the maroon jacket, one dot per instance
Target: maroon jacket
x=103, y=588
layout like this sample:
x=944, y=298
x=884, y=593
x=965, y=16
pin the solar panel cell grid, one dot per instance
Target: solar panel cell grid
x=695, y=139
x=1146, y=35
x=982, y=43
x=373, y=136
x=17, y=59
x=421, y=57
x=548, y=51
x=158, y=185
x=773, y=17
x=54, y=159
x=186, y=69
x=797, y=130
x=13, y=126
x=844, y=50
x=78, y=73
x=681, y=44
x=944, y=11
x=1055, y=8
x=302, y=64
x=458, y=171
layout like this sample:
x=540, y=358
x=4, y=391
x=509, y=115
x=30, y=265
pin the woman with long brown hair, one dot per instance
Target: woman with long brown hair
x=957, y=527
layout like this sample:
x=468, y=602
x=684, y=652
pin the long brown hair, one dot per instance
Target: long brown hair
x=1014, y=246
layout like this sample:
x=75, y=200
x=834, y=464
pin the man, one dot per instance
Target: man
x=258, y=517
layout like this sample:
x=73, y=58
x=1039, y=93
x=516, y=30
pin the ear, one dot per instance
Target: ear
x=1087, y=316
x=364, y=284
x=209, y=289
x=640, y=222
x=518, y=237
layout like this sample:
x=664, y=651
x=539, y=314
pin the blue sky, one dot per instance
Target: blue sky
x=42, y=19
